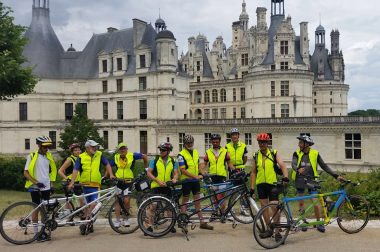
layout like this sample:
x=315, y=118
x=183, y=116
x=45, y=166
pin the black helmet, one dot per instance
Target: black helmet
x=165, y=146
x=306, y=139
x=188, y=139
x=215, y=136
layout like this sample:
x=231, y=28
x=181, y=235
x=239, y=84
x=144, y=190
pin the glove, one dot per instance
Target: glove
x=40, y=185
x=251, y=192
x=285, y=179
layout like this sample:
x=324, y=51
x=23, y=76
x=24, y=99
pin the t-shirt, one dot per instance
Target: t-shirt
x=42, y=170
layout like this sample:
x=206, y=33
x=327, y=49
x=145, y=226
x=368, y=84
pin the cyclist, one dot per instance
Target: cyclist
x=304, y=164
x=264, y=176
x=188, y=160
x=124, y=161
x=162, y=169
x=88, y=165
x=40, y=170
x=217, y=157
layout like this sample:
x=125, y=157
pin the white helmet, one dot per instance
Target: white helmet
x=234, y=130
x=306, y=139
x=44, y=140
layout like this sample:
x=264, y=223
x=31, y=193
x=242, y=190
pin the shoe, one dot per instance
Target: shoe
x=277, y=237
x=43, y=237
x=117, y=224
x=91, y=228
x=244, y=211
x=150, y=229
x=205, y=225
x=82, y=229
x=321, y=228
x=268, y=233
x=126, y=223
x=173, y=230
x=304, y=229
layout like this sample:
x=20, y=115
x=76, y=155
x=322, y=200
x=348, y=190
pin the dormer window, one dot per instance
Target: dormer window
x=119, y=64
x=142, y=61
x=284, y=47
x=104, y=66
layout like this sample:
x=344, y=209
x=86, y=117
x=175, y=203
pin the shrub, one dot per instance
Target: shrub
x=11, y=173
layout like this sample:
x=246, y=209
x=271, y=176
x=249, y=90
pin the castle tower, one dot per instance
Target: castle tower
x=278, y=8
x=167, y=51
x=320, y=37
x=244, y=17
x=261, y=18
x=304, y=43
x=336, y=57
x=160, y=24
x=334, y=42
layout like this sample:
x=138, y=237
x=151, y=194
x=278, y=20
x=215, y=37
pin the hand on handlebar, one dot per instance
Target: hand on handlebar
x=163, y=184
x=40, y=185
x=341, y=179
x=301, y=170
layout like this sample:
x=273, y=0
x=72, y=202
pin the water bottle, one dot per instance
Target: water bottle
x=96, y=208
x=254, y=206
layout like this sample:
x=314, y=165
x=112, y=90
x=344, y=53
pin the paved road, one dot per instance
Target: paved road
x=223, y=238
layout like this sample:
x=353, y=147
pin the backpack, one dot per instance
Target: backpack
x=155, y=172
x=277, y=169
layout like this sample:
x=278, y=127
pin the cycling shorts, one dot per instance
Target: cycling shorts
x=265, y=191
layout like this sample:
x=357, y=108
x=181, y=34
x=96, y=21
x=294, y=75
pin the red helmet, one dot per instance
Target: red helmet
x=263, y=137
x=73, y=146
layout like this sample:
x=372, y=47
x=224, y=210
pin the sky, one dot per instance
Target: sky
x=74, y=22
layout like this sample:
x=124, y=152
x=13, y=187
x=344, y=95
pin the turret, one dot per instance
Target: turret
x=334, y=42
x=167, y=52
x=244, y=17
x=278, y=8
x=261, y=13
x=304, y=43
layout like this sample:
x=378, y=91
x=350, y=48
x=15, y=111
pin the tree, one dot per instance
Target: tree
x=14, y=78
x=79, y=131
x=368, y=112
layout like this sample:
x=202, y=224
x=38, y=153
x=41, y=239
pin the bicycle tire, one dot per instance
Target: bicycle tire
x=16, y=220
x=266, y=232
x=153, y=225
x=130, y=215
x=354, y=211
x=241, y=210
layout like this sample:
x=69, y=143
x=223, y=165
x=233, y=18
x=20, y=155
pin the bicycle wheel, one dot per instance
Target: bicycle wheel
x=124, y=222
x=271, y=226
x=241, y=210
x=157, y=216
x=353, y=214
x=17, y=225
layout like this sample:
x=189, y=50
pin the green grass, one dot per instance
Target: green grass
x=10, y=197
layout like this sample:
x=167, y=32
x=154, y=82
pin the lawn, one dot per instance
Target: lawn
x=10, y=197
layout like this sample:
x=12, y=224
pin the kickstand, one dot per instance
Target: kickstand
x=184, y=231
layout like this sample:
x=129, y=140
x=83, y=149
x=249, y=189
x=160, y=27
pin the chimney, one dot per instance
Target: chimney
x=139, y=27
x=111, y=29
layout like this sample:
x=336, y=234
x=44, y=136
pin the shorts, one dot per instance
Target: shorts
x=38, y=195
x=165, y=191
x=302, y=191
x=266, y=191
x=92, y=197
x=217, y=179
x=192, y=186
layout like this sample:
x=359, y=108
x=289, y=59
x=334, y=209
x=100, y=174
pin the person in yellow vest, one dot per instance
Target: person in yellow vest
x=237, y=151
x=88, y=165
x=40, y=170
x=124, y=161
x=216, y=158
x=162, y=169
x=304, y=164
x=263, y=175
x=188, y=161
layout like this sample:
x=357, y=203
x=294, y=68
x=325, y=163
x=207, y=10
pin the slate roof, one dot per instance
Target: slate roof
x=321, y=52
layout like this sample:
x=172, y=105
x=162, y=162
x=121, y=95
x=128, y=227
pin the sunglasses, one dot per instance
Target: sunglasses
x=262, y=142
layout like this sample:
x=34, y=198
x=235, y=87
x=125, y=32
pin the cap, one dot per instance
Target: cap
x=121, y=145
x=91, y=143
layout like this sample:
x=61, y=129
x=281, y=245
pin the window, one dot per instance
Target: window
x=173, y=92
x=142, y=83
x=198, y=65
x=244, y=73
x=331, y=110
x=208, y=144
x=27, y=144
x=198, y=96
x=180, y=140
x=315, y=93
x=105, y=110
x=143, y=109
x=228, y=137
x=198, y=78
x=242, y=94
x=223, y=113
x=284, y=65
x=214, y=113
x=105, y=86
x=242, y=113
x=119, y=64
x=248, y=138
x=105, y=139
x=83, y=105
x=315, y=101
x=272, y=88
x=244, y=59
x=273, y=67
x=69, y=109
x=143, y=141
x=315, y=110
x=330, y=92
x=330, y=100
x=284, y=110
x=284, y=88
x=353, y=145
x=172, y=52
x=120, y=136
x=53, y=137
x=223, y=95
x=207, y=96
x=23, y=111
x=273, y=110
x=119, y=108
x=234, y=94
x=173, y=107
x=284, y=47
x=119, y=85
x=234, y=113
x=214, y=95
x=270, y=142
x=104, y=64
x=207, y=113
x=172, y=80
x=142, y=61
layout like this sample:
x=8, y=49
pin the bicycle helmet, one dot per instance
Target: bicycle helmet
x=306, y=139
x=234, y=130
x=165, y=146
x=121, y=145
x=215, y=136
x=188, y=139
x=263, y=137
x=44, y=140
x=73, y=146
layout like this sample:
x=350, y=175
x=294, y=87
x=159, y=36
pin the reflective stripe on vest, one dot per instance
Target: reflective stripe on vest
x=191, y=161
x=90, y=174
x=32, y=166
x=267, y=174
x=236, y=155
x=164, y=172
x=124, y=172
x=313, y=158
x=217, y=167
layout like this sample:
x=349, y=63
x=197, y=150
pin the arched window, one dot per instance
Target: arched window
x=198, y=114
x=198, y=96
x=214, y=95
x=207, y=96
x=223, y=95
